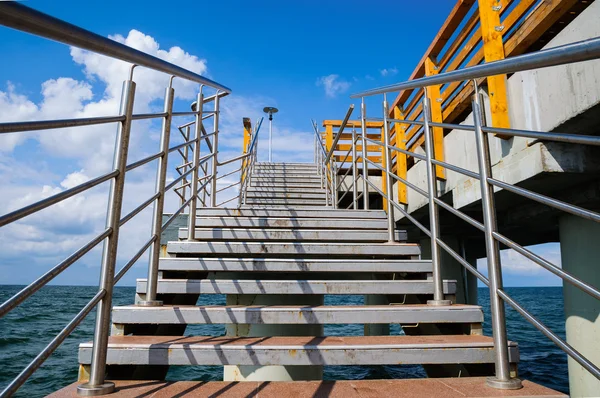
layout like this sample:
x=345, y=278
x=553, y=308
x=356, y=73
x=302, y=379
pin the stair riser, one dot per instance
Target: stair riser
x=324, y=315
x=360, y=215
x=285, y=195
x=295, y=265
x=293, y=249
x=239, y=222
x=293, y=355
x=275, y=235
x=291, y=184
x=244, y=286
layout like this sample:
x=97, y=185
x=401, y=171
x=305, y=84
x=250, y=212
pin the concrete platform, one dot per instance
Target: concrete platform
x=468, y=387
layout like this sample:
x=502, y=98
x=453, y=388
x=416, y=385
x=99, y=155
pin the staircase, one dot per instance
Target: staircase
x=285, y=244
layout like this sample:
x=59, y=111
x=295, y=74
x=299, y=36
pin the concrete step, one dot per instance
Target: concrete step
x=291, y=223
x=280, y=234
x=292, y=173
x=294, y=249
x=273, y=314
x=313, y=179
x=284, y=190
x=319, y=212
x=293, y=265
x=309, y=350
x=456, y=387
x=252, y=194
x=291, y=184
x=285, y=202
x=267, y=286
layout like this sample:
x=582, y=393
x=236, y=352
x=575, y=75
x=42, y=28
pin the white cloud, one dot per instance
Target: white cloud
x=388, y=71
x=333, y=85
x=516, y=264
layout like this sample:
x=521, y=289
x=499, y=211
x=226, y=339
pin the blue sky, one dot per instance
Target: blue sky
x=304, y=58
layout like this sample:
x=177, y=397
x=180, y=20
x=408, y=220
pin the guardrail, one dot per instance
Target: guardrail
x=567, y=54
x=196, y=174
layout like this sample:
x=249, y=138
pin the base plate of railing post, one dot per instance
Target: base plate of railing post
x=88, y=390
x=439, y=302
x=150, y=303
x=510, y=384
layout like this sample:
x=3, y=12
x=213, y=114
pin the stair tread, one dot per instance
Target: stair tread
x=465, y=387
x=296, y=314
x=296, y=287
x=293, y=265
x=303, y=342
x=278, y=212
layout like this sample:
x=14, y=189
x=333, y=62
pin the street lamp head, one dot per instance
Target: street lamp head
x=270, y=110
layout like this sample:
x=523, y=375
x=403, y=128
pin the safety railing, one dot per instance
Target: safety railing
x=197, y=174
x=571, y=53
x=326, y=165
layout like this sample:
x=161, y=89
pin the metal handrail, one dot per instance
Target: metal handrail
x=576, y=52
x=17, y=16
x=20, y=17
x=584, y=50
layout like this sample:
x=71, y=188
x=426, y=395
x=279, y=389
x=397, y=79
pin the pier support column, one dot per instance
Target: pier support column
x=579, y=253
x=273, y=373
x=466, y=283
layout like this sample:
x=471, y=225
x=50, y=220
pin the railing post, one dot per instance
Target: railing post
x=354, y=171
x=97, y=385
x=195, y=167
x=436, y=254
x=213, y=196
x=159, y=204
x=334, y=182
x=363, y=122
x=502, y=380
x=388, y=172
x=186, y=160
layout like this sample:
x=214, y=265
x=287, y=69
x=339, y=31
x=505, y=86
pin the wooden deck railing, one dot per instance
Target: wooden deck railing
x=475, y=31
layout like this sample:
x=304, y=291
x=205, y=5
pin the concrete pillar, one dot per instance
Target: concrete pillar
x=466, y=283
x=579, y=253
x=273, y=373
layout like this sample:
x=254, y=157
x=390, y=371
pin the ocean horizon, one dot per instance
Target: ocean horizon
x=25, y=331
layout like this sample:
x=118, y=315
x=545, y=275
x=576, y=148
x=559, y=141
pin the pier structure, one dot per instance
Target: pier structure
x=488, y=145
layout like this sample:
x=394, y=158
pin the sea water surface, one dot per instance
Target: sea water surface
x=29, y=328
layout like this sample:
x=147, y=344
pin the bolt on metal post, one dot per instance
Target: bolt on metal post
x=97, y=385
x=195, y=167
x=436, y=253
x=502, y=380
x=213, y=185
x=388, y=173
x=354, y=171
x=363, y=122
x=159, y=203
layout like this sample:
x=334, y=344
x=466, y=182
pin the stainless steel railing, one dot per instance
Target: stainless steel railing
x=198, y=173
x=576, y=52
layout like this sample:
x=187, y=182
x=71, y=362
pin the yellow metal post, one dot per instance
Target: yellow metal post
x=435, y=99
x=401, y=167
x=246, y=141
x=493, y=50
x=328, y=137
x=383, y=174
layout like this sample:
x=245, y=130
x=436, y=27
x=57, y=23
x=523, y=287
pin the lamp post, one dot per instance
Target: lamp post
x=270, y=111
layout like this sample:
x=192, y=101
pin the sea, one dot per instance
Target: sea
x=25, y=331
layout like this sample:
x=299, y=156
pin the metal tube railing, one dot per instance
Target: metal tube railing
x=17, y=16
x=363, y=131
x=388, y=173
x=15, y=127
x=97, y=383
x=195, y=166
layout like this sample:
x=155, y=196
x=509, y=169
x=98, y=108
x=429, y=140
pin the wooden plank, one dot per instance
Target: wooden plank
x=328, y=138
x=352, y=123
x=542, y=18
x=246, y=141
x=374, y=159
x=383, y=174
x=451, y=23
x=435, y=101
x=493, y=50
x=346, y=147
x=456, y=45
x=348, y=136
x=401, y=166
